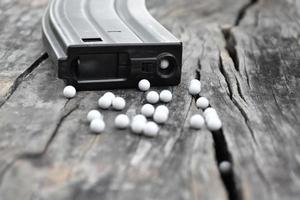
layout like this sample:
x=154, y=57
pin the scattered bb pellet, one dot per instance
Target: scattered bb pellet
x=165, y=96
x=152, y=97
x=162, y=109
x=122, y=121
x=202, y=103
x=110, y=95
x=212, y=119
x=210, y=112
x=137, y=127
x=164, y=64
x=151, y=129
x=197, y=122
x=195, y=87
x=119, y=103
x=138, y=123
x=161, y=114
x=213, y=123
x=225, y=166
x=160, y=118
x=144, y=85
x=140, y=118
x=94, y=114
x=148, y=110
x=104, y=102
x=69, y=92
x=97, y=126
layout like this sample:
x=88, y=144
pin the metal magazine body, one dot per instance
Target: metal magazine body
x=109, y=44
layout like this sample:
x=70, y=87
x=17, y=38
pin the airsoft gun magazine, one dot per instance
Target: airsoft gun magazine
x=105, y=44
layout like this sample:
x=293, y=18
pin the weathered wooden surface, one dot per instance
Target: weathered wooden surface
x=246, y=55
x=19, y=21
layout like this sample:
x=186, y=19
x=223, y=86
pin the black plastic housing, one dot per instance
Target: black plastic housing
x=97, y=52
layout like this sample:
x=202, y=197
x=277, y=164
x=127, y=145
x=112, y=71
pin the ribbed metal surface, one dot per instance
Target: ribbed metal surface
x=114, y=21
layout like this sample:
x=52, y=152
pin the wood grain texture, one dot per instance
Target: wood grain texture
x=254, y=87
x=20, y=43
x=245, y=54
x=69, y=162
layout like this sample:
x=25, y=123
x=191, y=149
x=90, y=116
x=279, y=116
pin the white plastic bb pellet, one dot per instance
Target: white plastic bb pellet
x=225, y=166
x=69, y=92
x=151, y=129
x=202, y=103
x=161, y=114
x=195, y=87
x=104, y=102
x=137, y=127
x=138, y=123
x=160, y=118
x=122, y=121
x=119, y=103
x=110, y=95
x=212, y=119
x=197, y=122
x=162, y=109
x=148, y=110
x=165, y=96
x=140, y=118
x=209, y=112
x=144, y=85
x=94, y=114
x=164, y=64
x=195, y=81
x=152, y=97
x=213, y=123
x=211, y=116
x=97, y=126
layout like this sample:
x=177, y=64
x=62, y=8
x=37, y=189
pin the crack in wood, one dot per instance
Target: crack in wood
x=32, y=156
x=198, y=77
x=243, y=10
x=222, y=154
x=246, y=118
x=198, y=70
x=21, y=77
x=222, y=70
x=231, y=47
x=65, y=113
x=234, y=97
x=239, y=89
x=247, y=77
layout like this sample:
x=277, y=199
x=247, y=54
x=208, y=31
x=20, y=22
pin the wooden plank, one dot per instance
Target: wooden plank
x=20, y=43
x=120, y=165
x=249, y=73
x=253, y=83
x=116, y=164
x=31, y=115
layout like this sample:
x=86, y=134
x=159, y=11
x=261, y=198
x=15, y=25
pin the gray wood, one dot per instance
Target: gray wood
x=19, y=46
x=245, y=54
x=51, y=154
x=253, y=84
